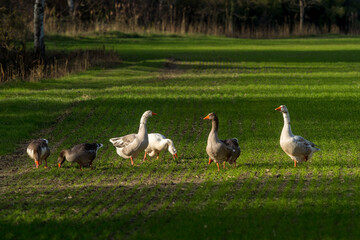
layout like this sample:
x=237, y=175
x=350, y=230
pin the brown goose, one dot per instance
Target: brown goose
x=129, y=146
x=38, y=150
x=84, y=154
x=220, y=151
x=296, y=147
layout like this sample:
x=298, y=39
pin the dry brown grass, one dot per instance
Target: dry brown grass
x=23, y=66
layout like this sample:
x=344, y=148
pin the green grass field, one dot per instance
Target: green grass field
x=183, y=79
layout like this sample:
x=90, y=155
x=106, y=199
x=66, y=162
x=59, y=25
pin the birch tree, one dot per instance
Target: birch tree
x=71, y=8
x=302, y=14
x=39, y=45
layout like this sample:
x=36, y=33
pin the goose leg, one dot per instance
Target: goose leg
x=145, y=156
x=37, y=163
x=132, y=162
x=80, y=167
x=157, y=157
x=294, y=163
x=217, y=164
x=235, y=164
x=210, y=161
x=45, y=163
x=224, y=164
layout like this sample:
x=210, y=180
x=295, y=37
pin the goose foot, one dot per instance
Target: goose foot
x=217, y=164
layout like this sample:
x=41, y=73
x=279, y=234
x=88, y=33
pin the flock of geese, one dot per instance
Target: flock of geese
x=130, y=146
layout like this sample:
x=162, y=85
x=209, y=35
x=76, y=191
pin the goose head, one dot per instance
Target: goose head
x=61, y=158
x=210, y=116
x=172, y=149
x=282, y=109
x=148, y=113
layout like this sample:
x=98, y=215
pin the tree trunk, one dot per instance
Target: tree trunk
x=39, y=45
x=71, y=8
x=229, y=11
x=302, y=14
x=117, y=5
x=183, y=21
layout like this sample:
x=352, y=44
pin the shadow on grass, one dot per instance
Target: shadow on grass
x=137, y=47
x=185, y=211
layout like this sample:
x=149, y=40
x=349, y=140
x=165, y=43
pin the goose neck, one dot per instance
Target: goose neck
x=142, y=129
x=287, y=126
x=214, y=129
x=215, y=124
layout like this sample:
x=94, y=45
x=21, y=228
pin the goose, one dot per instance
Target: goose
x=38, y=150
x=129, y=146
x=220, y=151
x=296, y=147
x=158, y=143
x=83, y=154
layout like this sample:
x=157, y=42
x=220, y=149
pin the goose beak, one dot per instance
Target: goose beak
x=154, y=114
x=175, y=156
x=207, y=117
x=278, y=109
x=59, y=164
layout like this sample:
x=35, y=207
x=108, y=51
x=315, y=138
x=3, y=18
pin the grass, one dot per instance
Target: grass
x=183, y=79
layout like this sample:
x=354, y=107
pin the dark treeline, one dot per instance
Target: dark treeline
x=237, y=18
x=243, y=18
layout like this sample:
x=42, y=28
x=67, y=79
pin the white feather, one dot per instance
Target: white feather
x=30, y=152
x=158, y=143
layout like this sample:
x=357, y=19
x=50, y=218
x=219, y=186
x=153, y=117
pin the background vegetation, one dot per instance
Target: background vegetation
x=244, y=18
x=183, y=79
x=235, y=18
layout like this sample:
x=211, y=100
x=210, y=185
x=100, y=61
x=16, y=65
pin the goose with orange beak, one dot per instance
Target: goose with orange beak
x=220, y=151
x=158, y=143
x=83, y=154
x=38, y=150
x=296, y=147
x=129, y=146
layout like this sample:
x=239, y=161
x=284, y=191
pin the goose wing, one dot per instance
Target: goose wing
x=122, y=142
x=234, y=149
x=303, y=146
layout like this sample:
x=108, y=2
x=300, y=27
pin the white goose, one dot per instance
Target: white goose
x=296, y=147
x=158, y=143
x=129, y=146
